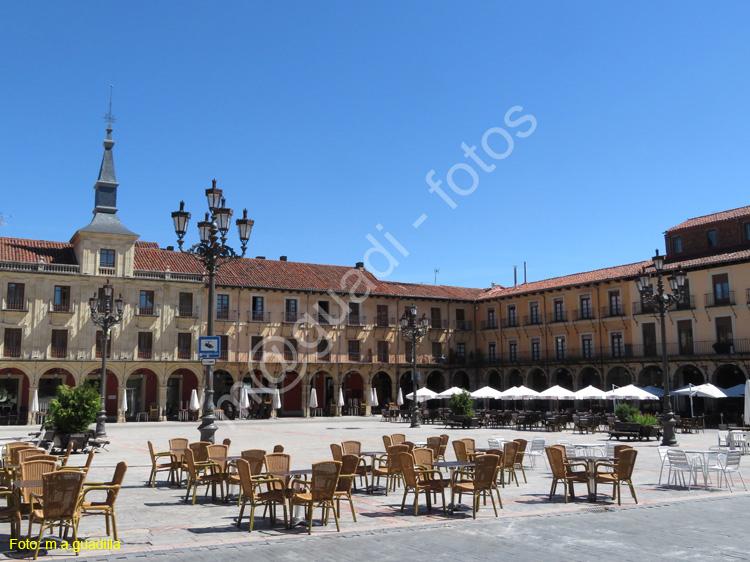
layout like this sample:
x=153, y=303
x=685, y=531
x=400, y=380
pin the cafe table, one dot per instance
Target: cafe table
x=590, y=461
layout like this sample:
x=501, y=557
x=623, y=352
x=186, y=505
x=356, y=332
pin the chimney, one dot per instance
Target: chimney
x=260, y=257
x=524, y=273
x=360, y=265
x=170, y=248
x=282, y=258
x=515, y=276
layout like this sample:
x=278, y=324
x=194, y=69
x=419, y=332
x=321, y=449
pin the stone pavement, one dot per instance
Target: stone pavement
x=156, y=524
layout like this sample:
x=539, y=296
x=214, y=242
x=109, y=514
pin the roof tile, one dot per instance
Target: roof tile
x=712, y=218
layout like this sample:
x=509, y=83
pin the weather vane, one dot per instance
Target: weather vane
x=109, y=118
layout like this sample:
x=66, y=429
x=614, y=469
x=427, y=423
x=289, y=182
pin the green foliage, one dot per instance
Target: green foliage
x=624, y=411
x=461, y=405
x=74, y=408
x=643, y=419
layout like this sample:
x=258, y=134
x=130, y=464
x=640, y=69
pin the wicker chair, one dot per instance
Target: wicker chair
x=85, y=468
x=616, y=473
x=434, y=444
x=387, y=441
x=322, y=487
x=278, y=448
x=444, y=438
x=177, y=447
x=105, y=507
x=30, y=471
x=66, y=457
x=398, y=438
x=479, y=483
x=422, y=480
x=423, y=457
x=200, y=450
x=389, y=467
x=250, y=488
x=255, y=458
x=510, y=451
x=157, y=466
x=562, y=471
x=522, y=444
x=336, y=452
x=207, y=473
x=59, y=503
x=349, y=465
x=11, y=513
x=22, y=455
x=351, y=447
x=459, y=448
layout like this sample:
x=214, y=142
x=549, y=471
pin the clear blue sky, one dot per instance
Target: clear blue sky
x=323, y=119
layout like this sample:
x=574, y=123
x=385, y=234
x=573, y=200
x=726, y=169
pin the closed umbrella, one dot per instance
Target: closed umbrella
x=746, y=415
x=202, y=399
x=400, y=399
x=35, y=403
x=276, y=399
x=341, y=397
x=124, y=406
x=194, y=404
x=374, y=396
x=313, y=398
x=244, y=401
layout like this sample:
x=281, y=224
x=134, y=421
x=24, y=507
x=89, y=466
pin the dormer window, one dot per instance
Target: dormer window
x=747, y=232
x=677, y=245
x=712, y=238
x=106, y=258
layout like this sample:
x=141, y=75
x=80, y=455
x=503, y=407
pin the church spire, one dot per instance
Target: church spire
x=106, y=186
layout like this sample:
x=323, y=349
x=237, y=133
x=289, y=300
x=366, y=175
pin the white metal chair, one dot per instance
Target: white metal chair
x=727, y=465
x=680, y=464
x=738, y=441
x=535, y=450
x=664, y=458
x=496, y=442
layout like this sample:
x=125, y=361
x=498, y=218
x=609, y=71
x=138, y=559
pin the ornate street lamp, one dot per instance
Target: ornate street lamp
x=105, y=313
x=661, y=303
x=414, y=329
x=213, y=252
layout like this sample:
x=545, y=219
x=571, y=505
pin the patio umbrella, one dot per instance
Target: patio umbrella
x=374, y=393
x=450, y=392
x=276, y=399
x=202, y=399
x=746, y=415
x=341, y=397
x=400, y=399
x=313, y=398
x=124, y=406
x=735, y=391
x=35, y=403
x=423, y=394
x=520, y=392
x=702, y=391
x=486, y=392
x=557, y=393
x=655, y=390
x=590, y=393
x=194, y=404
x=244, y=399
x=630, y=392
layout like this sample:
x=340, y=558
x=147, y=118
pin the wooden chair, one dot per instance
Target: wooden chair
x=479, y=483
x=349, y=464
x=389, y=467
x=209, y=475
x=616, y=473
x=522, y=444
x=105, y=507
x=322, y=487
x=251, y=492
x=59, y=503
x=563, y=472
x=510, y=451
x=418, y=481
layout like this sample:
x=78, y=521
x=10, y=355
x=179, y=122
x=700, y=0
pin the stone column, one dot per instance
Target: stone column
x=367, y=389
x=306, y=388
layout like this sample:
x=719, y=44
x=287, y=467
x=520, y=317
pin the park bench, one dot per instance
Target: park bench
x=625, y=429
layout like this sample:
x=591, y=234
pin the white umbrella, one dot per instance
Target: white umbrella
x=276, y=399
x=423, y=394
x=520, y=392
x=735, y=391
x=400, y=399
x=706, y=390
x=590, y=393
x=124, y=406
x=486, y=392
x=35, y=403
x=374, y=396
x=450, y=392
x=746, y=416
x=202, y=399
x=341, y=397
x=313, y=398
x=630, y=392
x=655, y=390
x=194, y=404
x=558, y=393
x=244, y=399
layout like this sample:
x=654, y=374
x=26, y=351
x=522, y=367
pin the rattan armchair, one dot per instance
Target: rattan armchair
x=420, y=480
x=398, y=438
x=510, y=451
x=59, y=504
x=11, y=513
x=349, y=465
x=321, y=490
x=255, y=458
x=459, y=449
x=85, y=468
x=562, y=471
x=251, y=492
x=336, y=452
x=157, y=464
x=522, y=444
x=206, y=474
x=479, y=483
x=389, y=467
x=105, y=507
x=616, y=473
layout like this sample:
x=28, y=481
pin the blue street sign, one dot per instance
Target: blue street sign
x=209, y=347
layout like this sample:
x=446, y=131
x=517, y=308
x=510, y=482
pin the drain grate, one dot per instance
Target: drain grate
x=598, y=509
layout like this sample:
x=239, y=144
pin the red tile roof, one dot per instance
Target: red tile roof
x=713, y=218
x=149, y=245
x=418, y=290
x=18, y=249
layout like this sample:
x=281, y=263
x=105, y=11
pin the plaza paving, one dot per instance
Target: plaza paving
x=667, y=523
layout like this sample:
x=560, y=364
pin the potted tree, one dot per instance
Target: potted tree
x=462, y=408
x=71, y=412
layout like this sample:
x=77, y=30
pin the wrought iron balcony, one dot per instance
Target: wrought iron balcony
x=725, y=298
x=510, y=322
x=489, y=324
x=258, y=316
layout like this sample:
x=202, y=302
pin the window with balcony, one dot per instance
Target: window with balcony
x=615, y=303
x=513, y=350
x=99, y=344
x=382, y=350
x=685, y=336
x=222, y=307
x=461, y=319
x=15, y=297
x=747, y=231
x=649, y=340
x=584, y=302
x=185, y=305
x=721, y=289
x=59, y=344
x=291, y=310
x=492, y=351
x=724, y=335
x=558, y=310
x=686, y=300
x=61, y=299
x=512, y=316
x=12, y=342
x=460, y=353
x=354, y=318
x=224, y=345
x=560, y=347
x=146, y=303
x=436, y=318
x=712, y=238
x=437, y=352
x=324, y=312
x=353, y=349
x=107, y=258
x=184, y=345
x=534, y=315
x=408, y=352
x=324, y=350
x=257, y=348
x=491, y=323
x=536, y=349
x=145, y=345
x=256, y=311
x=587, y=346
x=616, y=344
x=381, y=315
x=677, y=245
x=290, y=349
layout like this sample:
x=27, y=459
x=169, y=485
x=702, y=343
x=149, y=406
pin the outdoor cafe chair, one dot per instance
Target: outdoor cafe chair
x=510, y=452
x=679, y=464
x=663, y=459
x=479, y=482
x=387, y=441
x=536, y=450
x=616, y=473
x=349, y=464
x=389, y=467
x=562, y=472
x=59, y=504
x=31, y=471
x=522, y=443
x=728, y=464
x=256, y=459
x=251, y=492
x=105, y=507
x=85, y=468
x=420, y=479
x=398, y=438
x=351, y=447
x=321, y=492
x=11, y=513
x=207, y=474
x=158, y=465
x=336, y=452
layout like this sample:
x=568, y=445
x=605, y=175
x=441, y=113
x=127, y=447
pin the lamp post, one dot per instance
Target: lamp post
x=662, y=302
x=414, y=329
x=212, y=252
x=106, y=316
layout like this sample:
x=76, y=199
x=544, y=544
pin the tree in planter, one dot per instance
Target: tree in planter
x=624, y=411
x=74, y=408
x=461, y=405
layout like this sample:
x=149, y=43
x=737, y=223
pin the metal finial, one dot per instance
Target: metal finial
x=109, y=118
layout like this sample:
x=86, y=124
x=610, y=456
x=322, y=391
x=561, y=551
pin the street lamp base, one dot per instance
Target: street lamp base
x=415, y=424
x=208, y=428
x=101, y=420
x=668, y=436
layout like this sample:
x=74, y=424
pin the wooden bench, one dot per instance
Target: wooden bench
x=625, y=429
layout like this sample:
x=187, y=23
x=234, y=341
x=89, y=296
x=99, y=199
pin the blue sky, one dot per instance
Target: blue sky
x=324, y=118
